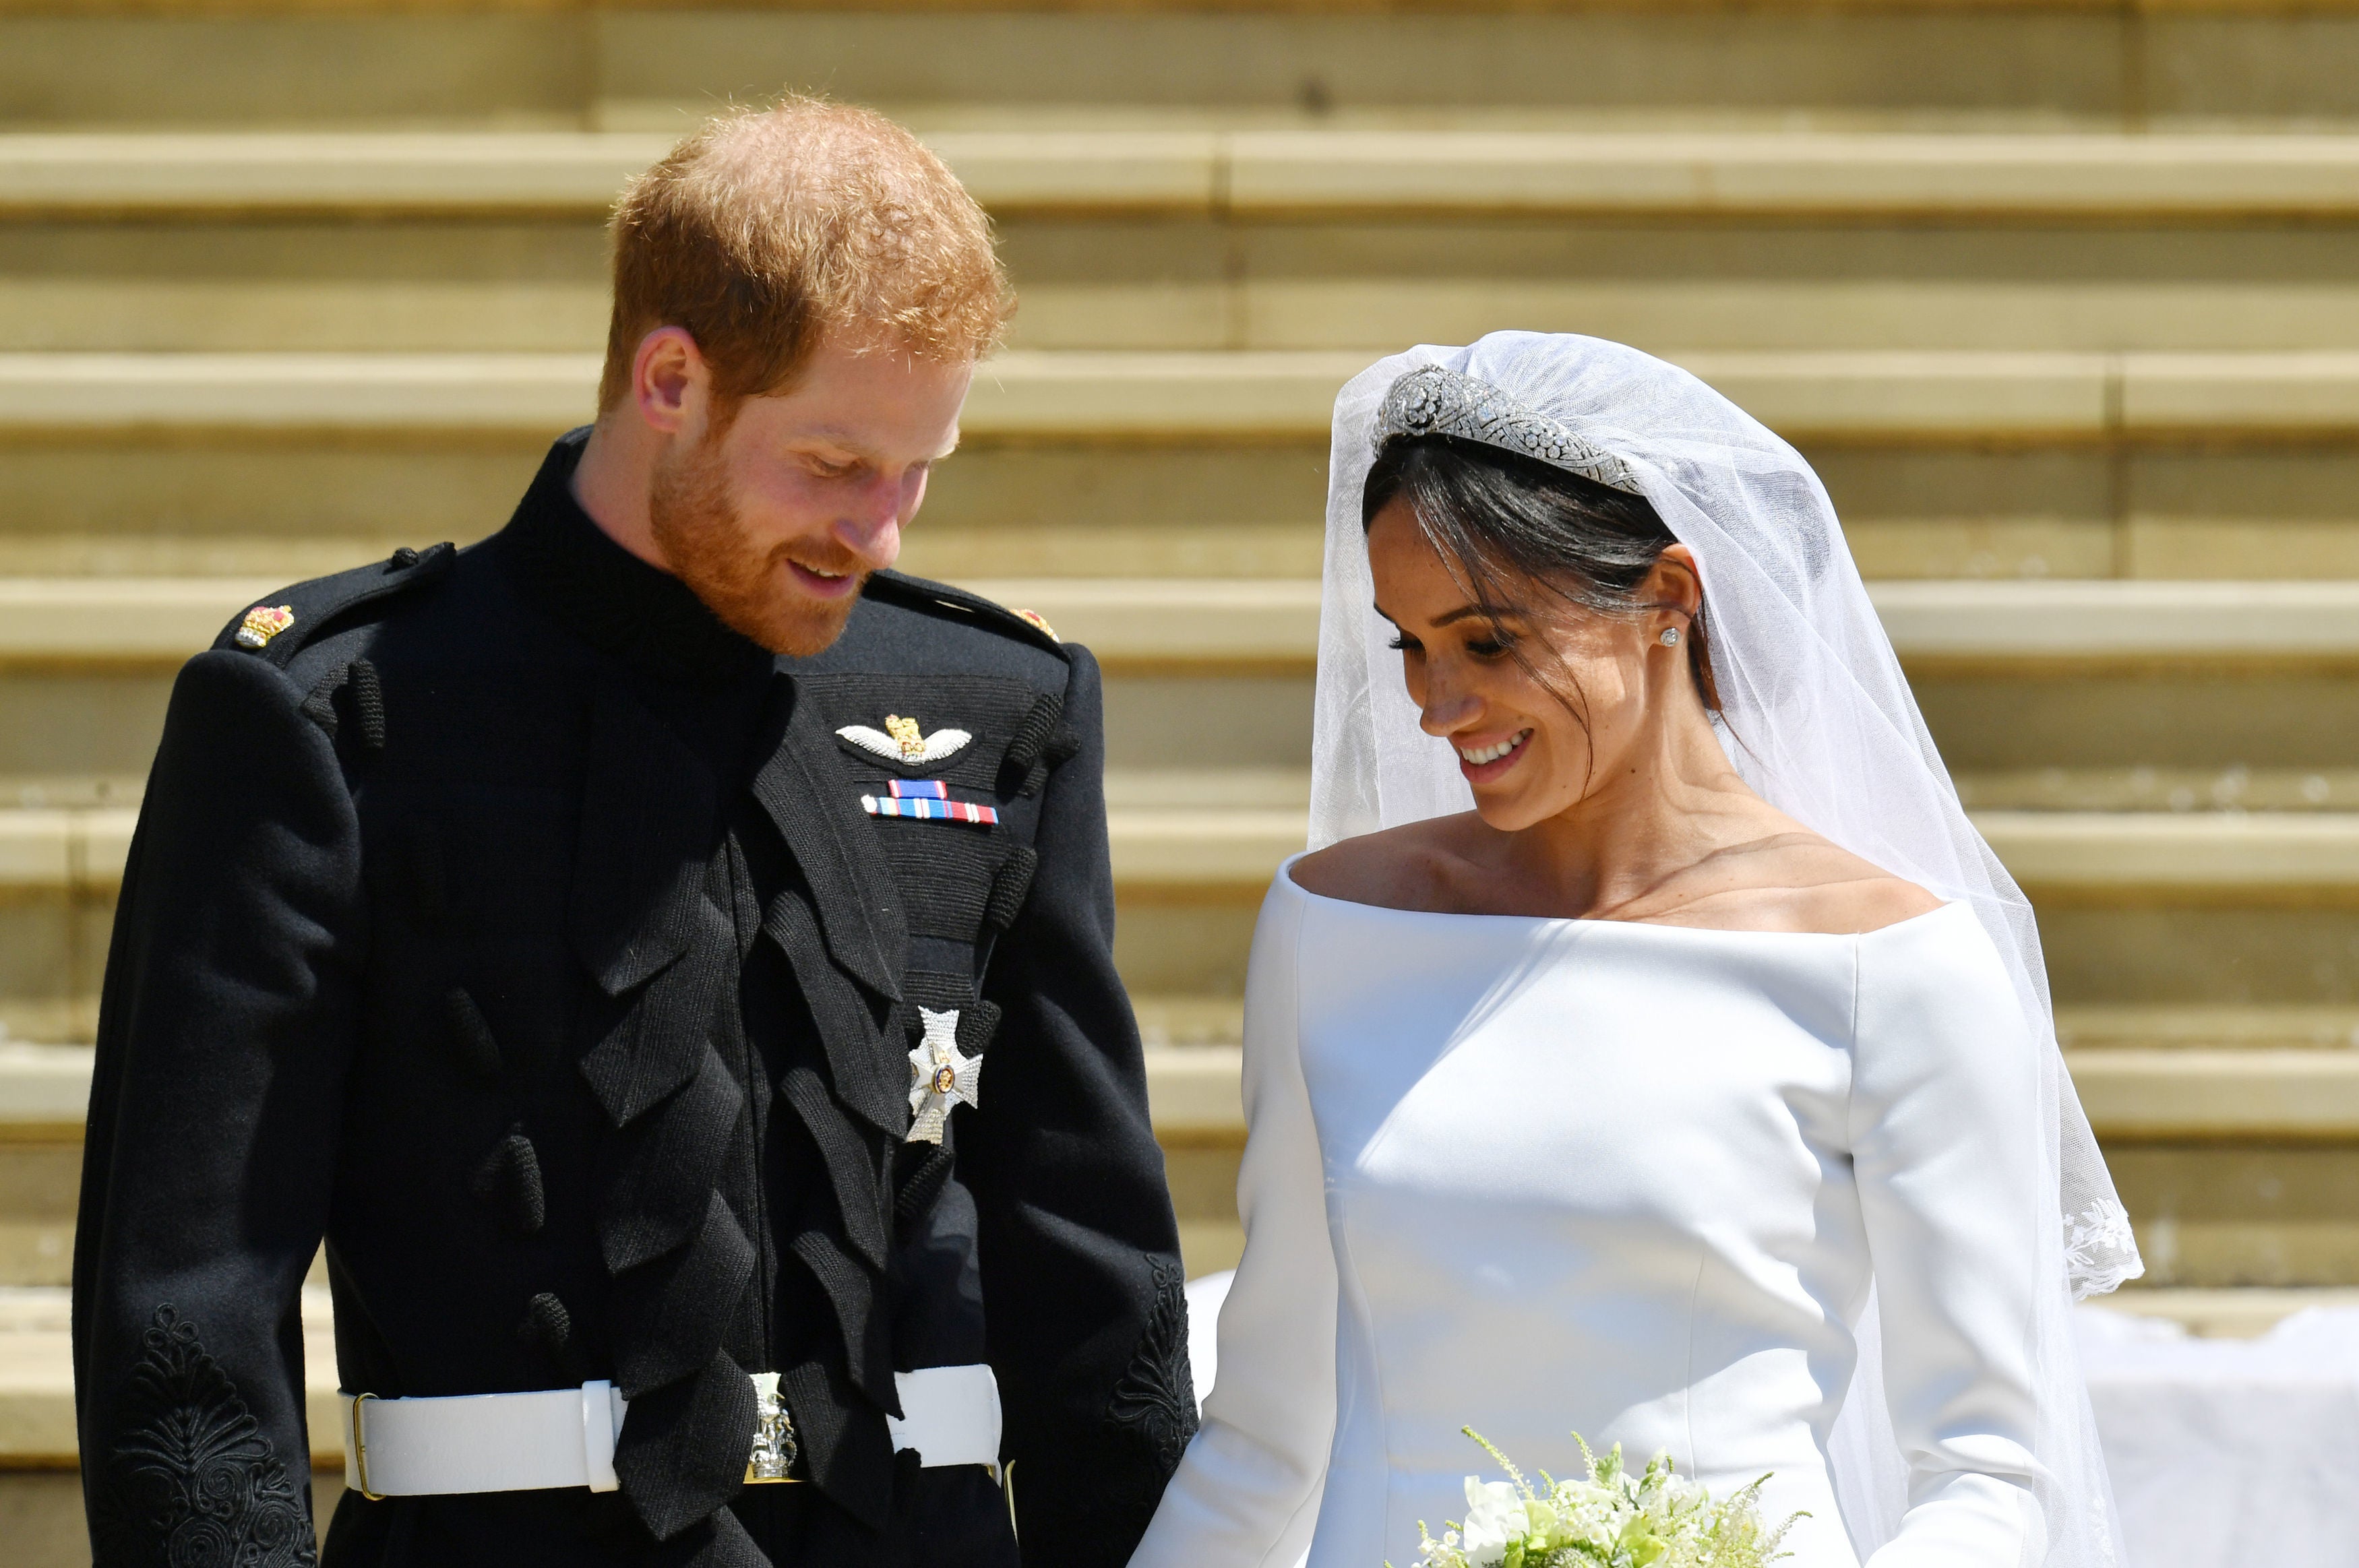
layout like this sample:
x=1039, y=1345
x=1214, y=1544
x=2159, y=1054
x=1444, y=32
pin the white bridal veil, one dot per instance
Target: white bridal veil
x=1825, y=730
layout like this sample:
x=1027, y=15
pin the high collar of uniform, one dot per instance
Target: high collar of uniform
x=607, y=596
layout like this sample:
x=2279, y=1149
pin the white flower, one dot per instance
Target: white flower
x=1495, y=1516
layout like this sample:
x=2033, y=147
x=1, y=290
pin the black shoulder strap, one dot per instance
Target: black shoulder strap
x=916, y=591
x=278, y=626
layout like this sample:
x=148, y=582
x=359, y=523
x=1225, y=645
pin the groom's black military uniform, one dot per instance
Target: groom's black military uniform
x=557, y=956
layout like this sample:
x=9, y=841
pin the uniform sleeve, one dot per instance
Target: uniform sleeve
x=1085, y=1305
x=1946, y=1140
x=225, y=1028
x=1247, y=1494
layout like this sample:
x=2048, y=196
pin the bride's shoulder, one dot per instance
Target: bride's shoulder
x=1797, y=881
x=1416, y=866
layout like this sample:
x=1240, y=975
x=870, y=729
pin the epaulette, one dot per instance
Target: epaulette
x=278, y=627
x=1024, y=625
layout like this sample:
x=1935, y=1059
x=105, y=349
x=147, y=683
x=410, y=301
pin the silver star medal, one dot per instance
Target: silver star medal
x=940, y=1077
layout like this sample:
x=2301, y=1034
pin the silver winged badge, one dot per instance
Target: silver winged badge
x=902, y=741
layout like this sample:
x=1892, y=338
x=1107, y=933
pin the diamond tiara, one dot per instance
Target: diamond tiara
x=1438, y=402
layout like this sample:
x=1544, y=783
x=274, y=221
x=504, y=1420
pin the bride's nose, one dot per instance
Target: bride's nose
x=1445, y=708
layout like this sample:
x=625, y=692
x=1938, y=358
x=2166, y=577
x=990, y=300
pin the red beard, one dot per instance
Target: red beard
x=752, y=592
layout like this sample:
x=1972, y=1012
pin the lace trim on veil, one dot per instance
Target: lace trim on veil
x=2100, y=1253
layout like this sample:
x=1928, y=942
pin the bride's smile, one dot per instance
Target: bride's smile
x=1489, y=761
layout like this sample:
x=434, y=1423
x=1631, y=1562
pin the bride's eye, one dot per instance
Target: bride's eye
x=1492, y=647
x=1400, y=643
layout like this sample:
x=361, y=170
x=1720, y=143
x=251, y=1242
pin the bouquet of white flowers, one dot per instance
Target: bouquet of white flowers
x=1612, y=1520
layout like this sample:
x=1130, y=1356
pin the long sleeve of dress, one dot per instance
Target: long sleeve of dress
x=1947, y=1140
x=1246, y=1495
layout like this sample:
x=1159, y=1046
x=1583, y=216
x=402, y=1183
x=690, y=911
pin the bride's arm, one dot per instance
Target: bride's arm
x=1246, y=1494
x=1949, y=1145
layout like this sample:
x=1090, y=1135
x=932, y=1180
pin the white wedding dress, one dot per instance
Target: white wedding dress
x=1537, y=1176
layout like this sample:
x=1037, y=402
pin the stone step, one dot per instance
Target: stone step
x=2237, y=1313
x=2221, y=1121
x=1953, y=625
x=283, y=505
x=44, y=1096
x=190, y=64
x=2177, y=789
x=2092, y=1030
x=1436, y=170
x=37, y=1405
x=1111, y=395
x=2238, y=1167
x=44, y=1092
x=2213, y=907
x=1114, y=277
x=1938, y=626
x=2089, y=856
x=2128, y=949
x=2164, y=1087
x=1696, y=291
x=2147, y=908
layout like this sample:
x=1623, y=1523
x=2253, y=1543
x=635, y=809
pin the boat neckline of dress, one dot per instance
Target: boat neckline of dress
x=1285, y=876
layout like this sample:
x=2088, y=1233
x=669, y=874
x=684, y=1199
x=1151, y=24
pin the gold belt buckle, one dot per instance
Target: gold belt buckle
x=775, y=1448
x=360, y=1446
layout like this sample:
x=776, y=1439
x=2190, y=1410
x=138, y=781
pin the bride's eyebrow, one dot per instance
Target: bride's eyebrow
x=1503, y=614
x=1494, y=614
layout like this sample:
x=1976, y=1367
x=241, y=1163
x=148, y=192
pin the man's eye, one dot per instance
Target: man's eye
x=826, y=470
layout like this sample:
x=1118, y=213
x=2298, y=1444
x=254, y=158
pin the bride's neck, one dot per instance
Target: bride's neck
x=1663, y=804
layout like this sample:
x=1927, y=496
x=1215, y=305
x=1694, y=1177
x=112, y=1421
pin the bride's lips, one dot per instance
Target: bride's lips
x=819, y=585
x=1497, y=762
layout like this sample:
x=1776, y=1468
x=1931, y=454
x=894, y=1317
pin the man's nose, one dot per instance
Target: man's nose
x=872, y=528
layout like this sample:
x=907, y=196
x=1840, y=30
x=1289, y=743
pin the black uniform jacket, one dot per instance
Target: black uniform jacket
x=512, y=925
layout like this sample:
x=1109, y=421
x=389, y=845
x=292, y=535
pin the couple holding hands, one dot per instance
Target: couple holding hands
x=666, y=958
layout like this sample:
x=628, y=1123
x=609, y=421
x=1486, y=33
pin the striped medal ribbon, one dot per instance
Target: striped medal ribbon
x=927, y=800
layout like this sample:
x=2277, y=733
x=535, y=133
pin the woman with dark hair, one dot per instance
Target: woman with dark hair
x=1650, y=1047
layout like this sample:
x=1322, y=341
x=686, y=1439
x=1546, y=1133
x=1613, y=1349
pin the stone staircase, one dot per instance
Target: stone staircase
x=2060, y=296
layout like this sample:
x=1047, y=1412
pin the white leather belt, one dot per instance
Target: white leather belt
x=565, y=1437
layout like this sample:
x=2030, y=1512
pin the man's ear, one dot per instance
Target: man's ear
x=670, y=383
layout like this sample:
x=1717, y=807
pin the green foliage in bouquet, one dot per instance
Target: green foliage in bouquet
x=1613, y=1520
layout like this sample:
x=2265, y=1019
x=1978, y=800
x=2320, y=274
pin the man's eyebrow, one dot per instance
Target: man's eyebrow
x=846, y=441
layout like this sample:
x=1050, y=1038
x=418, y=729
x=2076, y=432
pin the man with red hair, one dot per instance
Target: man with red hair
x=666, y=957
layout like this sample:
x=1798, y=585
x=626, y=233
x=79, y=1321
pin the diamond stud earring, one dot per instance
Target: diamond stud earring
x=1670, y=636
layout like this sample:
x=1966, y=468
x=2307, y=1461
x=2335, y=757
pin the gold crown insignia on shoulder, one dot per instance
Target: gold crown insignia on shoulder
x=263, y=622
